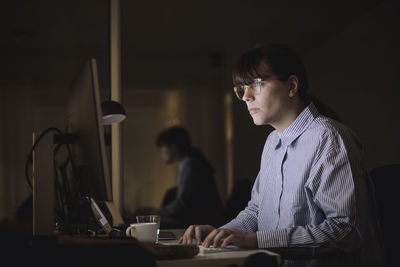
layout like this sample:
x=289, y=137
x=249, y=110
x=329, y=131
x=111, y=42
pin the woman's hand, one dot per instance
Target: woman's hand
x=197, y=232
x=223, y=237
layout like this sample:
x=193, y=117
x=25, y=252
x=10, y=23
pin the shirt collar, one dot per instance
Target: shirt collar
x=299, y=125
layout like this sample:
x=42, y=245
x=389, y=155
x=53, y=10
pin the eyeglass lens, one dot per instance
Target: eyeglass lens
x=255, y=87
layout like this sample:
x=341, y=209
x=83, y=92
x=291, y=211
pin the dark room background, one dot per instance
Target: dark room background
x=176, y=69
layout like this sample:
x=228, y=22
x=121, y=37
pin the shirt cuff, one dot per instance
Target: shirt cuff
x=272, y=239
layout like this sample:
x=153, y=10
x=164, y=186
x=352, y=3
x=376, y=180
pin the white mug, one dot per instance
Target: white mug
x=146, y=232
x=150, y=218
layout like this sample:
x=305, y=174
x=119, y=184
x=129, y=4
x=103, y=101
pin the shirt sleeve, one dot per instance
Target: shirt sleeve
x=246, y=220
x=331, y=186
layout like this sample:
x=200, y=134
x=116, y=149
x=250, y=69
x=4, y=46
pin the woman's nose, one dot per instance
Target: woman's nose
x=248, y=94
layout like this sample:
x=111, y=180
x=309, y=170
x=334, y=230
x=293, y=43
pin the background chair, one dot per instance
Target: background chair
x=240, y=196
x=169, y=196
x=385, y=179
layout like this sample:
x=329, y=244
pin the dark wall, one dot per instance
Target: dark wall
x=350, y=49
x=356, y=73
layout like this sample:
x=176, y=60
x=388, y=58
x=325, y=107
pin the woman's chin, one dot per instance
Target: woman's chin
x=258, y=122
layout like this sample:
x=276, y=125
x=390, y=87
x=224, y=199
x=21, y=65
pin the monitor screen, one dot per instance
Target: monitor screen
x=88, y=150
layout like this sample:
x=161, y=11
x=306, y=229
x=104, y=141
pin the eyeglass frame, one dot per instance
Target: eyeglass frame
x=256, y=85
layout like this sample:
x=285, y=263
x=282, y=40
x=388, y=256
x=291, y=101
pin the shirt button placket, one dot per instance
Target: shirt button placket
x=283, y=149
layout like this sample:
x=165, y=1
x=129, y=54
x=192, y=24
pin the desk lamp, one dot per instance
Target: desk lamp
x=113, y=112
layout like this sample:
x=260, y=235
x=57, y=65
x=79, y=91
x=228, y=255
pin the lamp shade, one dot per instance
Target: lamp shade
x=113, y=112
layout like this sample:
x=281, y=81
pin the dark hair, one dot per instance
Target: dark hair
x=270, y=59
x=176, y=135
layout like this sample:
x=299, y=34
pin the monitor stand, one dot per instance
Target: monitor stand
x=43, y=188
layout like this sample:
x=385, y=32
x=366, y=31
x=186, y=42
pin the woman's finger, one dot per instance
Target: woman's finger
x=210, y=238
x=219, y=237
x=187, y=236
x=198, y=234
x=228, y=240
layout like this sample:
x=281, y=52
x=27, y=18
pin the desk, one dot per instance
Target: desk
x=217, y=259
x=84, y=251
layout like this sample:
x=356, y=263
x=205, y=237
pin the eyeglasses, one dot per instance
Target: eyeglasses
x=254, y=87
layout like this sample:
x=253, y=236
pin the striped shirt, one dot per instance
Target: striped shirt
x=313, y=190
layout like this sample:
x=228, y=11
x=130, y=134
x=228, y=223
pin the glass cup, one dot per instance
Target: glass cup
x=150, y=219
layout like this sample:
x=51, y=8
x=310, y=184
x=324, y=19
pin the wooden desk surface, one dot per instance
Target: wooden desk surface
x=218, y=259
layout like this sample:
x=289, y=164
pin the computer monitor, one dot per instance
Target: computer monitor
x=89, y=149
x=87, y=177
x=84, y=178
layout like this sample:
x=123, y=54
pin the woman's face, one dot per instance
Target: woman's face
x=269, y=106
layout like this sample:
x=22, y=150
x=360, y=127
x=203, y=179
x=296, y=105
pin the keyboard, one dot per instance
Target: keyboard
x=211, y=249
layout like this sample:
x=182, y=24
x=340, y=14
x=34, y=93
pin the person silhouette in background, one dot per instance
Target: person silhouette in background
x=195, y=199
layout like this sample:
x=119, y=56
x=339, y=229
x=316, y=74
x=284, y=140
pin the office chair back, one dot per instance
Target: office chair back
x=385, y=179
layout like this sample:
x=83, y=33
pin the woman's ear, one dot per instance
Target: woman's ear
x=293, y=83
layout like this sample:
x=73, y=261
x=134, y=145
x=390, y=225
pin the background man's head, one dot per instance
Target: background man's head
x=174, y=142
